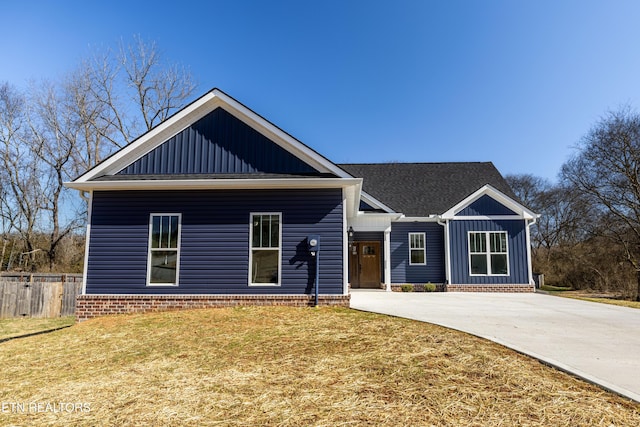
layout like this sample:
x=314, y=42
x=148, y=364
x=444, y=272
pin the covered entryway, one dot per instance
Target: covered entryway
x=364, y=265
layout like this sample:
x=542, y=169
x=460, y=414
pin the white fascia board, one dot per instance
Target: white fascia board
x=418, y=219
x=375, y=203
x=508, y=202
x=194, y=112
x=393, y=216
x=485, y=217
x=199, y=184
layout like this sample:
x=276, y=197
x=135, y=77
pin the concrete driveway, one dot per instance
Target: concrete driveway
x=598, y=342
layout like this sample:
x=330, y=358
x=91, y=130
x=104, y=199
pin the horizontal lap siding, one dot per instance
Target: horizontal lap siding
x=517, y=245
x=401, y=271
x=214, y=252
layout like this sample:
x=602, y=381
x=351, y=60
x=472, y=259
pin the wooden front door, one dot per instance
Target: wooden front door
x=364, y=265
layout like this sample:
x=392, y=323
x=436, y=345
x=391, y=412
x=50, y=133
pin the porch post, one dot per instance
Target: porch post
x=387, y=258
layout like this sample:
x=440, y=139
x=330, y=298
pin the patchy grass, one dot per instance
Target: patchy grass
x=27, y=325
x=597, y=298
x=586, y=295
x=551, y=288
x=288, y=366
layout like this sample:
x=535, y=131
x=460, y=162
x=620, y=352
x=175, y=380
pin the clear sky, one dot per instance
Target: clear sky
x=514, y=82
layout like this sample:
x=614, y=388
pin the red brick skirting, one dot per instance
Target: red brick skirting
x=419, y=287
x=90, y=306
x=490, y=288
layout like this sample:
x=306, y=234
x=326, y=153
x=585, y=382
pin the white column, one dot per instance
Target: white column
x=387, y=258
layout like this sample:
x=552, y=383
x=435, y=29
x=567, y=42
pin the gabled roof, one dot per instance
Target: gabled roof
x=424, y=189
x=191, y=114
x=507, y=202
x=320, y=172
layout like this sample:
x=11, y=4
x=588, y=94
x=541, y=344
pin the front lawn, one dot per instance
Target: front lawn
x=287, y=366
x=27, y=325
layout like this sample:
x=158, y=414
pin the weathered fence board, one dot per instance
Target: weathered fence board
x=38, y=298
x=69, y=293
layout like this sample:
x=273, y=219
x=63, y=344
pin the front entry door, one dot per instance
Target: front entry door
x=365, y=265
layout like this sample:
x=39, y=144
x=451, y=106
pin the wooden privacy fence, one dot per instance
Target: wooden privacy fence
x=39, y=295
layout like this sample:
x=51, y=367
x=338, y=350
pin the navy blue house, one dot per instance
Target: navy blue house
x=218, y=206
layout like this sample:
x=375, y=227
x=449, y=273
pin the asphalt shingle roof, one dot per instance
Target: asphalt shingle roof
x=423, y=189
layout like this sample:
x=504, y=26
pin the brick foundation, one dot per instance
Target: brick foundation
x=520, y=288
x=90, y=306
x=419, y=287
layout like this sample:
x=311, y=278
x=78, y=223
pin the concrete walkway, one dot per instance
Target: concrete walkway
x=598, y=342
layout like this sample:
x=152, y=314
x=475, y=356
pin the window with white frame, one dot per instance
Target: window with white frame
x=164, y=249
x=488, y=253
x=265, y=249
x=417, y=249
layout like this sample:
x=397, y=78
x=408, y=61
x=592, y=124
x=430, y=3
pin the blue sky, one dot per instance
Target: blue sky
x=513, y=82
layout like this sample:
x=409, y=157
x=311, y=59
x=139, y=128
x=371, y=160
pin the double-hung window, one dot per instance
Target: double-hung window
x=417, y=249
x=488, y=253
x=164, y=249
x=265, y=249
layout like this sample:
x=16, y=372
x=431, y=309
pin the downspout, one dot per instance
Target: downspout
x=447, y=266
x=529, y=261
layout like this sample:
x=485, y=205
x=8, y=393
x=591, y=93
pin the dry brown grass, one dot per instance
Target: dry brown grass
x=288, y=366
x=27, y=325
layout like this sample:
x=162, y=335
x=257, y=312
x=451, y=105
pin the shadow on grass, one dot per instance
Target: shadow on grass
x=31, y=334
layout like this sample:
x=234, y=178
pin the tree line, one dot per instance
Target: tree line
x=53, y=131
x=588, y=235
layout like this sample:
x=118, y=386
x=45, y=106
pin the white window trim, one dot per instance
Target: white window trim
x=488, y=253
x=177, y=249
x=424, y=249
x=251, y=249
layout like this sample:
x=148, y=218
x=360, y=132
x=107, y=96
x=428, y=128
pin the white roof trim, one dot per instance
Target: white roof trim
x=498, y=196
x=418, y=219
x=485, y=217
x=351, y=186
x=375, y=203
x=199, y=184
x=192, y=113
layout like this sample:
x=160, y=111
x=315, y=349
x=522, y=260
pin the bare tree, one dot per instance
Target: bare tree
x=562, y=210
x=21, y=171
x=159, y=89
x=55, y=134
x=121, y=94
x=59, y=130
x=605, y=170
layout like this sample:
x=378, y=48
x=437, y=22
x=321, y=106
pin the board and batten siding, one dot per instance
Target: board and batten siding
x=401, y=271
x=214, y=247
x=485, y=205
x=218, y=143
x=516, y=243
